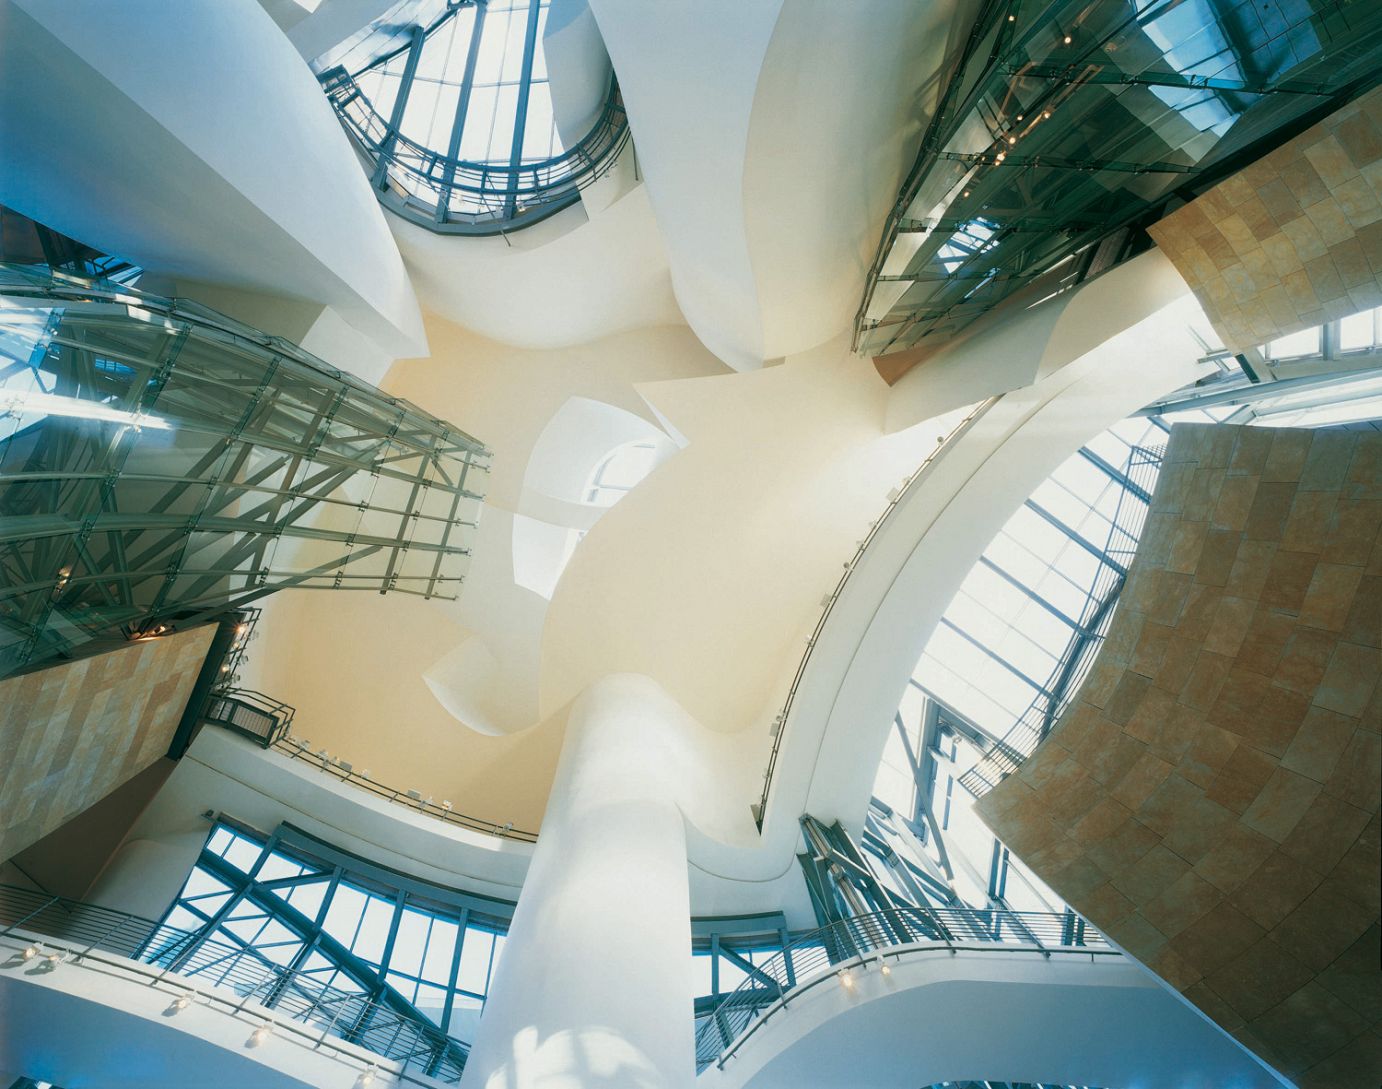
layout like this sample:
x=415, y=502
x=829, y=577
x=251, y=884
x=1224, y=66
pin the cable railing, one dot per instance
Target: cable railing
x=855, y=944
x=460, y=196
x=81, y=931
x=1032, y=726
x=300, y=749
x=780, y=722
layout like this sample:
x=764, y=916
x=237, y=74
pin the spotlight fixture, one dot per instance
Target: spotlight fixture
x=846, y=979
x=53, y=959
x=182, y=1001
x=446, y=805
x=1012, y=139
x=1067, y=39
x=884, y=967
x=258, y=1036
x=366, y=1078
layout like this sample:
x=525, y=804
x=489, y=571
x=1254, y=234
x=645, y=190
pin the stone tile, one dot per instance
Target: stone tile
x=1201, y=825
x=1333, y=225
x=1150, y=651
x=1309, y=1026
x=1241, y=778
x=1349, y=679
x=1358, y=777
x=1251, y=566
x=1281, y=804
x=1319, y=743
x=1219, y=551
x=1271, y=506
x=1212, y=1006
x=1106, y=904
x=1357, y=872
x=1236, y=709
x=1232, y=623
x=1144, y=880
x=1281, y=203
x=1304, y=184
x=1304, y=660
x=1260, y=977
x=1102, y=821
x=1275, y=889
x=1186, y=543
x=1360, y=139
x=1217, y=938
x=1289, y=579
x=1160, y=811
x=1235, y=858
x=1353, y=976
x=1332, y=164
x=1207, y=678
x=1326, y=833
x=1290, y=448
x=1327, y=464
x=1128, y=693
x=1324, y=925
x=1363, y=625
x=1139, y=782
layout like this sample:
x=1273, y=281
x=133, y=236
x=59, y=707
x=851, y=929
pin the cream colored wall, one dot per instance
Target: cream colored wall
x=353, y=664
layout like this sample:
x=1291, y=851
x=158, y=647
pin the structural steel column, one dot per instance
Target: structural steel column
x=593, y=985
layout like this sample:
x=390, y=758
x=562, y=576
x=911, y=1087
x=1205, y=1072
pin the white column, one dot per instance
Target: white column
x=594, y=985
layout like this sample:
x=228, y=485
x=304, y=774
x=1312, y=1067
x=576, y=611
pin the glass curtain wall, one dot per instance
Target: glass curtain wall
x=161, y=463
x=340, y=923
x=1067, y=125
x=456, y=117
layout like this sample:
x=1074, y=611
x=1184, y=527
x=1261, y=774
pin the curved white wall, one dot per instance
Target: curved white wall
x=193, y=140
x=1003, y=1016
x=773, y=138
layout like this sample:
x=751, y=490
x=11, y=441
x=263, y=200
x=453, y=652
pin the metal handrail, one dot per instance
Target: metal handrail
x=855, y=942
x=300, y=749
x=82, y=929
x=506, y=195
x=829, y=605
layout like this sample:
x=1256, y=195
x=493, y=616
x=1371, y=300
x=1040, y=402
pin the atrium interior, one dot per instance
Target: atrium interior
x=746, y=544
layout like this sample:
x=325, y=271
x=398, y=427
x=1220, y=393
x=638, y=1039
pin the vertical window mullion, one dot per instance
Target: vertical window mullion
x=453, y=149
x=520, y=121
x=400, y=104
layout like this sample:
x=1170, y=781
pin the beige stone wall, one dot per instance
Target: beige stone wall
x=72, y=733
x=1295, y=239
x=1210, y=800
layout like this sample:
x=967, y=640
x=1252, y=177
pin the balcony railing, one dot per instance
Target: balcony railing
x=462, y=197
x=249, y=714
x=840, y=950
x=80, y=931
x=299, y=749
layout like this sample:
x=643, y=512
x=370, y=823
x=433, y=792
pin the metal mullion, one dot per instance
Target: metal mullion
x=453, y=150
x=405, y=86
x=1030, y=594
x=521, y=112
x=1118, y=476
x=1089, y=546
x=452, y=979
x=995, y=656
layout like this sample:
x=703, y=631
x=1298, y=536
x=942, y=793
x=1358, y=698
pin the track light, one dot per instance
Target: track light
x=846, y=979
x=884, y=967
x=366, y=1078
x=30, y=952
x=53, y=959
x=258, y=1036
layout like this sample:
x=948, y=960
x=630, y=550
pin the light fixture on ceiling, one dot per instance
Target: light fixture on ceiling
x=846, y=979
x=31, y=951
x=259, y=1035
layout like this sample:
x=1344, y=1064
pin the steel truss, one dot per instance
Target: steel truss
x=161, y=463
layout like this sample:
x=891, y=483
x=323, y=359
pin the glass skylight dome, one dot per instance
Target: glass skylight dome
x=454, y=112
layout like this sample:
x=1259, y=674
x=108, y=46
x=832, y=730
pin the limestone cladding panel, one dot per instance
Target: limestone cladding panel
x=72, y=733
x=1210, y=798
x=1295, y=239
